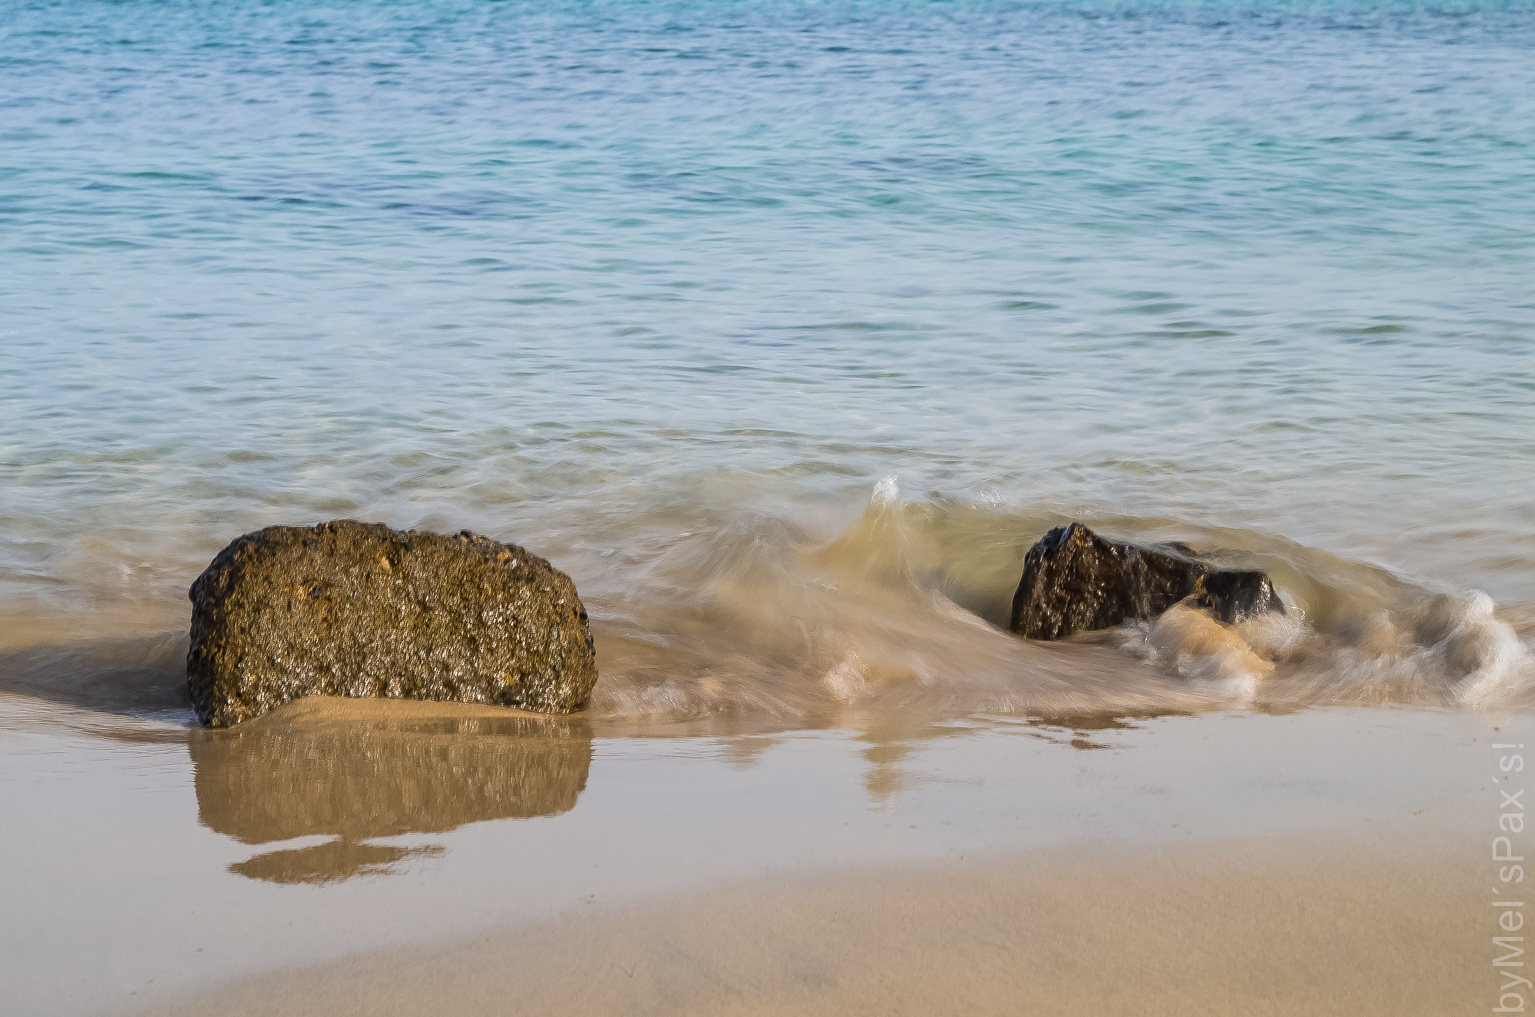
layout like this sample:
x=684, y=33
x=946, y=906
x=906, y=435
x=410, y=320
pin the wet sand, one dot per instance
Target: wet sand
x=1347, y=926
x=341, y=857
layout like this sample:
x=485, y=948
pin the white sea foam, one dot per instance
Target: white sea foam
x=847, y=679
x=1213, y=657
x=1498, y=665
x=1445, y=648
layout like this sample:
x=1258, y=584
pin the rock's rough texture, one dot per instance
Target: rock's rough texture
x=357, y=609
x=1075, y=580
x=1233, y=594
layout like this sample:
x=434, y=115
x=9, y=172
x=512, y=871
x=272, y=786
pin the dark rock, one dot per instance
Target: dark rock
x=1074, y=581
x=360, y=610
x=1235, y=594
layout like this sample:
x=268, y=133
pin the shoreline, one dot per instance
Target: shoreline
x=364, y=833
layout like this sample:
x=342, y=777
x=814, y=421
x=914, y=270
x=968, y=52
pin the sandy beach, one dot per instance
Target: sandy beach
x=1328, y=926
x=376, y=857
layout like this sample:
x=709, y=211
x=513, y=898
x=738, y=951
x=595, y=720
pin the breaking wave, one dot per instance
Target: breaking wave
x=906, y=610
x=748, y=618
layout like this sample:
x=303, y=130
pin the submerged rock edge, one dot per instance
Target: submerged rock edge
x=1075, y=581
x=359, y=610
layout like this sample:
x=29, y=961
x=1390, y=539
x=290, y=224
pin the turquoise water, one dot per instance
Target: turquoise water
x=786, y=328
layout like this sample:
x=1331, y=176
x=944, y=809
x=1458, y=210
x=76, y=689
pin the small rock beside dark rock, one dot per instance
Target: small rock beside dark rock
x=1075, y=581
x=1235, y=594
x=357, y=609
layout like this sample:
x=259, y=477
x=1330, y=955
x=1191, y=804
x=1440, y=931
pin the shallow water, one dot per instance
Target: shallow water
x=785, y=329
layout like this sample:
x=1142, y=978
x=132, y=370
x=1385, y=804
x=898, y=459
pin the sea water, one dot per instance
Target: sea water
x=785, y=329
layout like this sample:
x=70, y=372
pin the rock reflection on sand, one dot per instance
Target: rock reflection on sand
x=330, y=862
x=356, y=770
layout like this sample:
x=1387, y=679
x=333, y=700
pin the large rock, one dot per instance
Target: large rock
x=357, y=609
x=1074, y=580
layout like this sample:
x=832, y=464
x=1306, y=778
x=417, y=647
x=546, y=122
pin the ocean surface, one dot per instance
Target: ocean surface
x=785, y=329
